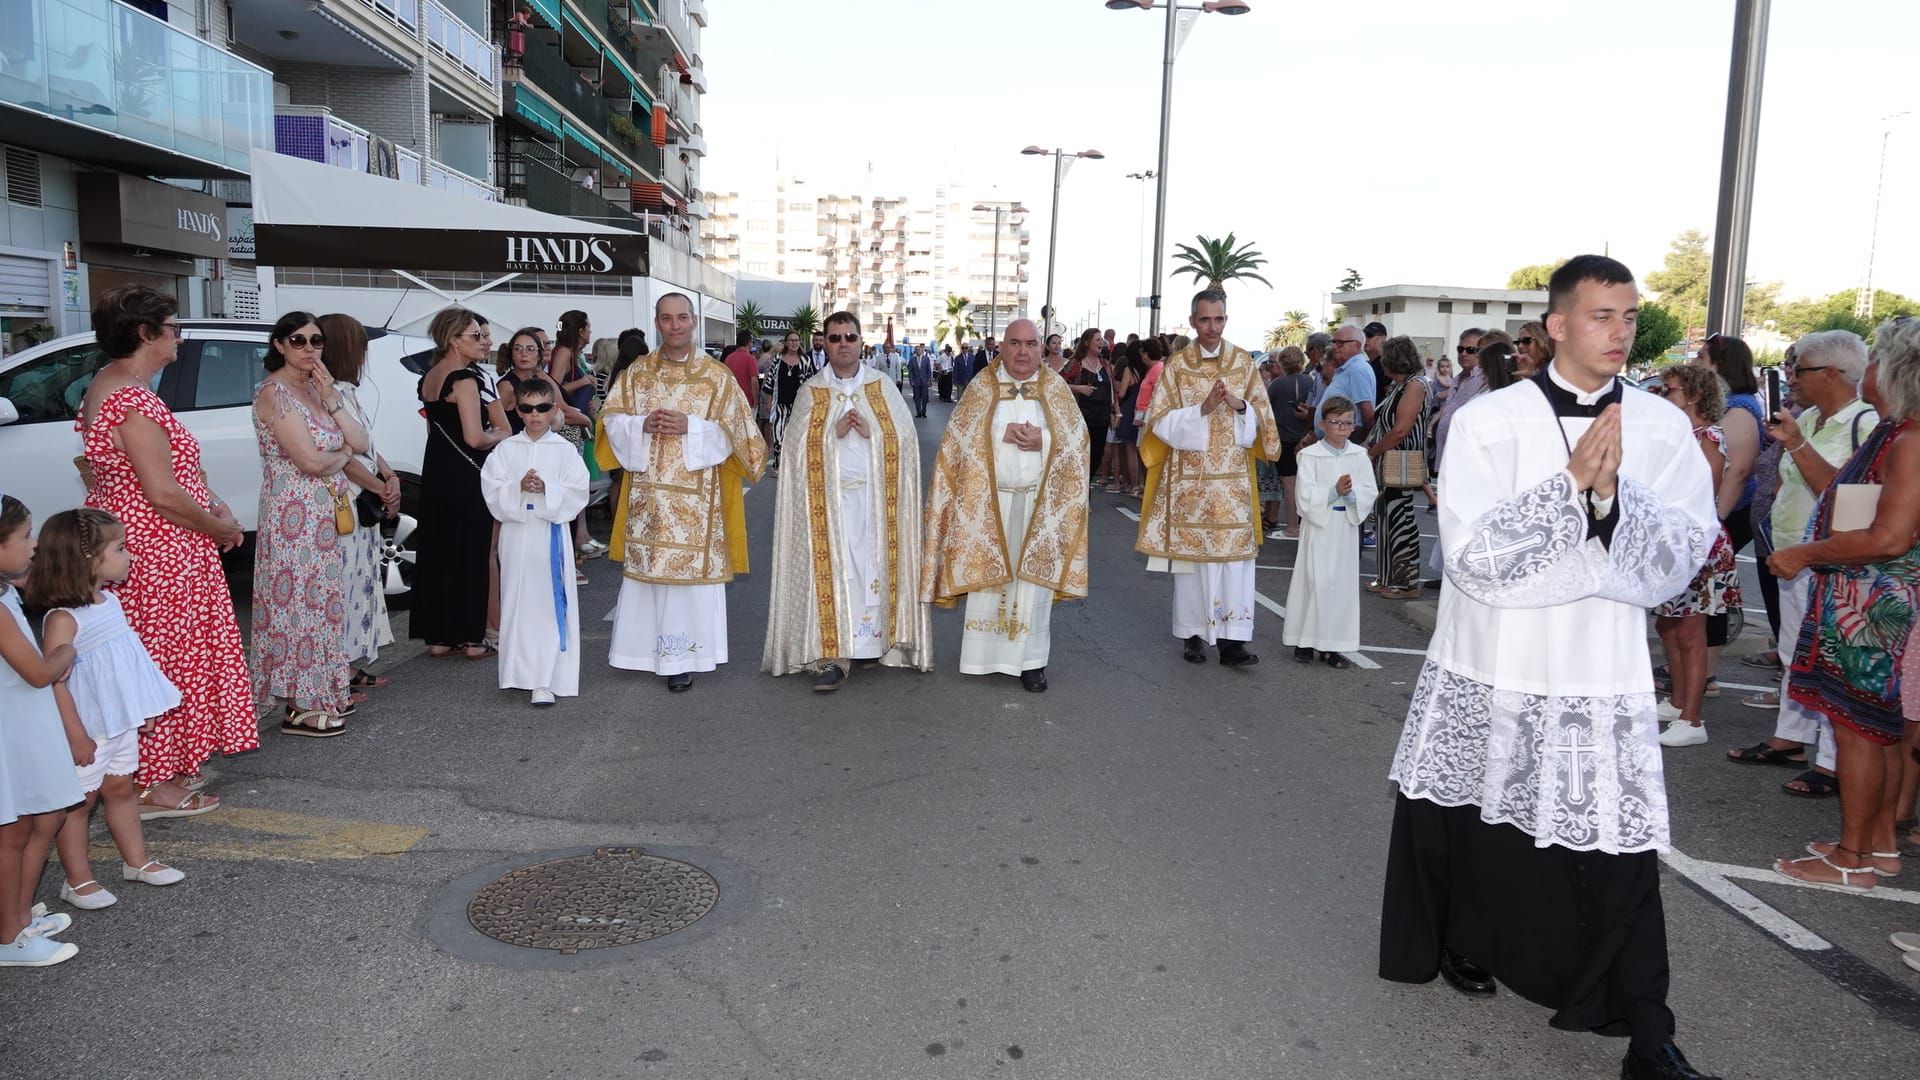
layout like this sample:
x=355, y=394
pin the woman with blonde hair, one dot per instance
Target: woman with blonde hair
x=1532, y=348
x=1682, y=621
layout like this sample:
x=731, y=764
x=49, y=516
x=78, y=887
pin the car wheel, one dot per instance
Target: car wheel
x=397, y=554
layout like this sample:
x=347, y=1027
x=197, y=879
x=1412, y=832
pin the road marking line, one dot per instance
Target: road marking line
x=1709, y=876
x=281, y=837
x=1130, y=513
x=1767, y=875
x=1748, y=687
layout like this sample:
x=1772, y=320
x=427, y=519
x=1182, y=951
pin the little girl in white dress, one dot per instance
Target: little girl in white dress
x=115, y=688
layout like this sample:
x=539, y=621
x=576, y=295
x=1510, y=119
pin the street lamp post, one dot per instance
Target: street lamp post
x=993, y=305
x=1173, y=9
x=1142, y=253
x=1061, y=159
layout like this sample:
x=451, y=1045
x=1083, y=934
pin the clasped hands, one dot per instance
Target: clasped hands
x=851, y=420
x=532, y=482
x=1219, y=396
x=1024, y=436
x=665, y=422
x=1596, y=458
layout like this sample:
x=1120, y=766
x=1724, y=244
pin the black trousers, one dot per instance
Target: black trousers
x=1096, y=448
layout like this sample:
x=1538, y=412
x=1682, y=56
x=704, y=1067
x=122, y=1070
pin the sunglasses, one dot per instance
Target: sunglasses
x=1469, y=350
x=1523, y=341
x=1802, y=369
x=543, y=407
x=851, y=339
x=302, y=341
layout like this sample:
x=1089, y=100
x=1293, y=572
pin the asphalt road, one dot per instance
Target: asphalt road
x=1156, y=870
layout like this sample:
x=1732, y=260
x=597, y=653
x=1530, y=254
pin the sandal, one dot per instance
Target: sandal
x=313, y=724
x=1814, y=784
x=1828, y=847
x=1765, y=753
x=1847, y=873
x=1336, y=661
x=366, y=680
x=1398, y=594
x=441, y=652
x=193, y=805
x=481, y=651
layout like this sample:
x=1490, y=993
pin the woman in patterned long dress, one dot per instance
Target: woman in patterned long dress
x=1852, y=647
x=306, y=438
x=1682, y=621
x=367, y=627
x=145, y=470
x=1401, y=423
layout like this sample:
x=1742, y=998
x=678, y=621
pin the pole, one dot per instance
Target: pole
x=993, y=309
x=1160, y=186
x=1727, y=285
x=1863, y=303
x=1053, y=240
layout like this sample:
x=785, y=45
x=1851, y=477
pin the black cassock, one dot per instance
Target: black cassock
x=1560, y=921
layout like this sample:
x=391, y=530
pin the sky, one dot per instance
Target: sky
x=1416, y=142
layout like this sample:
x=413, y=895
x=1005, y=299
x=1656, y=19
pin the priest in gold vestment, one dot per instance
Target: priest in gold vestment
x=846, y=528
x=677, y=422
x=1007, y=511
x=1200, y=517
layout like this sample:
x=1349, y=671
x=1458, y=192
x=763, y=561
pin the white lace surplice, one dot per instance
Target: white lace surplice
x=1536, y=699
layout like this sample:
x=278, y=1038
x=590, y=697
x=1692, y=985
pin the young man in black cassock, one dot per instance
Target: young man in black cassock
x=1531, y=806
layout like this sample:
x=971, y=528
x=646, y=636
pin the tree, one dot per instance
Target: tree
x=1793, y=318
x=1350, y=283
x=806, y=322
x=1532, y=277
x=1657, y=331
x=1217, y=261
x=1683, y=281
x=748, y=317
x=1293, y=329
x=957, y=327
x=1338, y=316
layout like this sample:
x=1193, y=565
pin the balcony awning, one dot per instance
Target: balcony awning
x=548, y=10
x=309, y=214
x=538, y=113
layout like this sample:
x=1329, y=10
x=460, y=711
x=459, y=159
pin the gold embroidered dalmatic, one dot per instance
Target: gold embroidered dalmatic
x=965, y=549
x=810, y=616
x=673, y=526
x=1204, y=505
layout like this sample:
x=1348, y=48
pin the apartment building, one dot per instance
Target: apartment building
x=884, y=257
x=1434, y=315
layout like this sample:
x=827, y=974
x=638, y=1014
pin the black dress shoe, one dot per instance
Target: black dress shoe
x=1303, y=655
x=865, y=665
x=1668, y=1064
x=1466, y=976
x=1196, y=651
x=1235, y=654
x=829, y=679
x=680, y=682
x=1035, y=680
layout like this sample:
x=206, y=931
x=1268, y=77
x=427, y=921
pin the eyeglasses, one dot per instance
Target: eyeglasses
x=526, y=348
x=1339, y=341
x=1802, y=369
x=1468, y=350
x=171, y=328
x=1523, y=341
x=851, y=339
x=479, y=335
x=302, y=341
x=1662, y=391
x=543, y=407
x=1336, y=423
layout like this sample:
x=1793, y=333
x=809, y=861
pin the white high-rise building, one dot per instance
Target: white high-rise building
x=882, y=257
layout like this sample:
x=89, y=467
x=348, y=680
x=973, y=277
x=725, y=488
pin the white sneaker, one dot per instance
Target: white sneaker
x=1668, y=711
x=164, y=875
x=26, y=951
x=92, y=901
x=1906, y=941
x=543, y=696
x=1681, y=733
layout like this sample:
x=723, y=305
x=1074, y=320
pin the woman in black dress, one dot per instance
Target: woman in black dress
x=464, y=421
x=1090, y=381
x=792, y=369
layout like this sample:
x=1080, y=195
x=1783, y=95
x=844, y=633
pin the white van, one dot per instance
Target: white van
x=209, y=386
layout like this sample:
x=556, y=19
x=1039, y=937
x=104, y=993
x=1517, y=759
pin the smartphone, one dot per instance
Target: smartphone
x=1774, y=403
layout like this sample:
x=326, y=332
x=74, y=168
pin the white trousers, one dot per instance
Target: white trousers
x=1797, y=722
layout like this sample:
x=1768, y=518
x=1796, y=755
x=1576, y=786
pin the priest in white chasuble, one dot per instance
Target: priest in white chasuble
x=677, y=422
x=846, y=529
x=1208, y=424
x=1532, y=806
x=1006, y=515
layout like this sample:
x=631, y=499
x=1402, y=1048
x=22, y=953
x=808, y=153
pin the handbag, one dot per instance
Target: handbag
x=369, y=508
x=1403, y=469
x=1854, y=506
x=343, y=516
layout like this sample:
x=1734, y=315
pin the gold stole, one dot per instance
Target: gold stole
x=821, y=543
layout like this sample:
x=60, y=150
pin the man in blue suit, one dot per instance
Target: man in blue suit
x=920, y=375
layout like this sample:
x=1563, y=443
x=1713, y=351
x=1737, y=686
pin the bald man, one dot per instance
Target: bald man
x=1006, y=522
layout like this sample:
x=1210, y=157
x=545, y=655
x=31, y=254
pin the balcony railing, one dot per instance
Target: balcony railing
x=561, y=81
x=464, y=45
x=107, y=66
x=314, y=133
x=404, y=12
x=544, y=188
x=446, y=178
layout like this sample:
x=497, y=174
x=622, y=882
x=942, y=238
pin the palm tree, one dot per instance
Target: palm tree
x=957, y=327
x=1217, y=261
x=805, y=322
x=1276, y=338
x=748, y=318
x=1293, y=331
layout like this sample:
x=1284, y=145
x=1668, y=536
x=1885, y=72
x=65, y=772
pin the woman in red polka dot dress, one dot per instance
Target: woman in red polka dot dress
x=146, y=472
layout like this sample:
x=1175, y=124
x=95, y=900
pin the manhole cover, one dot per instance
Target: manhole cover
x=615, y=896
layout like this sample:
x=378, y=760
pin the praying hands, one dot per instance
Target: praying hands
x=1024, y=436
x=666, y=422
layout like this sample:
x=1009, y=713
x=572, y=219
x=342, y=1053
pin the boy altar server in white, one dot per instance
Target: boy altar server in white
x=536, y=484
x=1532, y=807
x=1334, y=489
x=846, y=528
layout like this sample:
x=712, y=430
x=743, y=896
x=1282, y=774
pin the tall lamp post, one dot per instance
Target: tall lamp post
x=1173, y=42
x=1061, y=160
x=993, y=306
x=1143, y=177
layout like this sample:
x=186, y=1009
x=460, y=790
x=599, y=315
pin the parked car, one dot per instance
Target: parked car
x=210, y=388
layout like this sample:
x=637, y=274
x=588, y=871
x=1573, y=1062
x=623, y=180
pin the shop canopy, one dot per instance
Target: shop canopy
x=309, y=214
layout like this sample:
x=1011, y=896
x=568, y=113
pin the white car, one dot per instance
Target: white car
x=210, y=388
